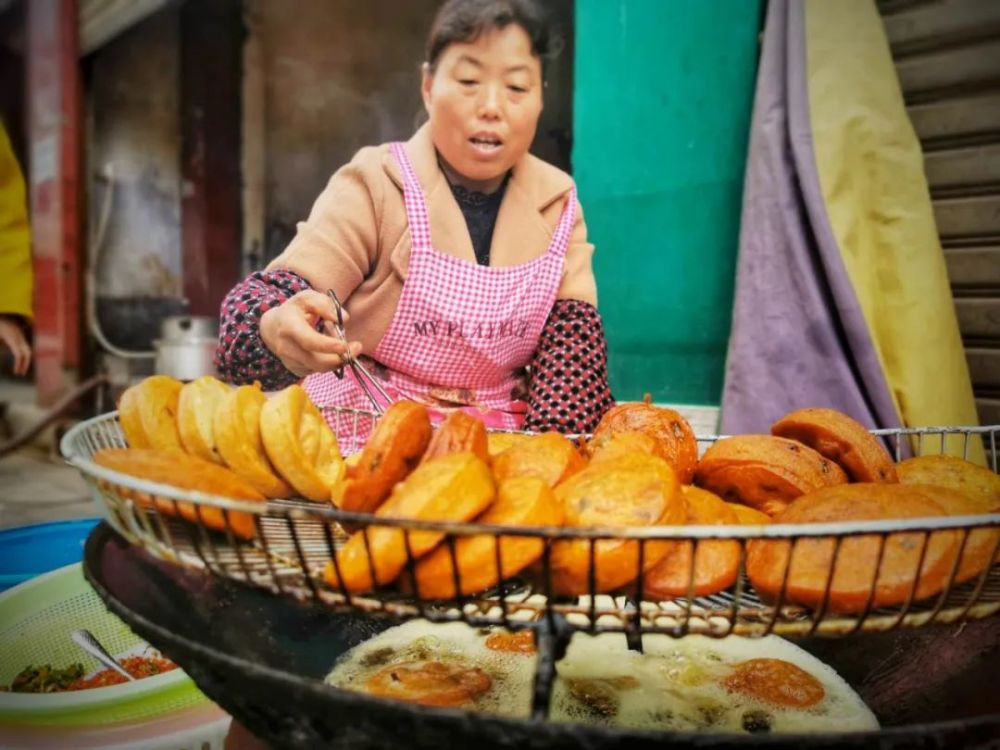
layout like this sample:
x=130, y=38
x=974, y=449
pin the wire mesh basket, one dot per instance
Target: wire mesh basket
x=296, y=540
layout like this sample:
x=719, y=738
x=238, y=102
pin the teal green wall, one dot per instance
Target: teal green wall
x=662, y=97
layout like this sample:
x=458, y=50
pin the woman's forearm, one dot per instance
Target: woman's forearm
x=568, y=391
x=242, y=356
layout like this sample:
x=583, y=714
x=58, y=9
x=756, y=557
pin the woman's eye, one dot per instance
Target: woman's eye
x=468, y=81
x=518, y=89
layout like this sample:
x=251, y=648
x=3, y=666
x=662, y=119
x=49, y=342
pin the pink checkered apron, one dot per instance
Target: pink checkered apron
x=460, y=333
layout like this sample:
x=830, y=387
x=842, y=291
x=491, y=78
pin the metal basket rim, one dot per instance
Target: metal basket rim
x=329, y=513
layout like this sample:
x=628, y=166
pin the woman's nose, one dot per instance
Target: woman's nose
x=489, y=103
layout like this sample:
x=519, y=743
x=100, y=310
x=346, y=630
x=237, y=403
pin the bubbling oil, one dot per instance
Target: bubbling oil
x=675, y=685
x=455, y=644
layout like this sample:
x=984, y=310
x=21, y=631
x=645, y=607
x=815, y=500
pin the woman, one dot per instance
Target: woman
x=462, y=260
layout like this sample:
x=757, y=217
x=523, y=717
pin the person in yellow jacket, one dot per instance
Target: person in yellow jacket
x=15, y=259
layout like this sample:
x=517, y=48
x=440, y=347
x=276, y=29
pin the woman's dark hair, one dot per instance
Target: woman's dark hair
x=465, y=20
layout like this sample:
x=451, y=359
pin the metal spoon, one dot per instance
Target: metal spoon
x=86, y=640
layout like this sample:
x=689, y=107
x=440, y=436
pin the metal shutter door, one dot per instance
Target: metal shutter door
x=947, y=53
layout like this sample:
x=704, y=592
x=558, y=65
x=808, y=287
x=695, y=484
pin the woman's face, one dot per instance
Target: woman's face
x=484, y=100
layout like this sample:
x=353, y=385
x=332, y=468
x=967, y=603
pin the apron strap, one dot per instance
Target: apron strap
x=420, y=224
x=413, y=198
x=564, y=229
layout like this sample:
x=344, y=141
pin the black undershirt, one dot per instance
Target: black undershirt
x=480, y=211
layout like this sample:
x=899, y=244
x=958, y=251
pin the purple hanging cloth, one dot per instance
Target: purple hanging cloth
x=798, y=336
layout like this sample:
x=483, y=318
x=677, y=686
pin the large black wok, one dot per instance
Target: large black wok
x=262, y=658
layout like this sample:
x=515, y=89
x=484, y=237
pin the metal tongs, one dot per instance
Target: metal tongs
x=365, y=379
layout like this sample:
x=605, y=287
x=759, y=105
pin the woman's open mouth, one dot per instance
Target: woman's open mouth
x=486, y=143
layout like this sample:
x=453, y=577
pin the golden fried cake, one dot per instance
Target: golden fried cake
x=838, y=437
x=747, y=516
x=458, y=433
x=498, y=442
x=675, y=440
x=196, y=407
x=977, y=482
x=549, y=456
x=186, y=472
x=630, y=490
x=395, y=447
x=776, y=682
x=764, y=472
x=238, y=439
x=611, y=444
x=430, y=683
x=716, y=562
x=981, y=543
x=857, y=561
x=300, y=444
x=455, y=487
x=522, y=501
x=147, y=413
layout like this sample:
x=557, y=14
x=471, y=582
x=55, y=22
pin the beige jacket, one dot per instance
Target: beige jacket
x=356, y=239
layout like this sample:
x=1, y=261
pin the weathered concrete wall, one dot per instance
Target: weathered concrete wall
x=134, y=128
x=338, y=75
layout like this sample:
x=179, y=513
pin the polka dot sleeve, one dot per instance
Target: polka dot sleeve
x=568, y=389
x=241, y=356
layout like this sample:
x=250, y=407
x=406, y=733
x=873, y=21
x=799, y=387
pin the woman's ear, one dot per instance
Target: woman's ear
x=426, y=82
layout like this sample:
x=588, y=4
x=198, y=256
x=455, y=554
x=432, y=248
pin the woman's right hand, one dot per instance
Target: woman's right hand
x=289, y=330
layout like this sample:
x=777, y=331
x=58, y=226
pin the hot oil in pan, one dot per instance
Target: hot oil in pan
x=678, y=684
x=453, y=644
